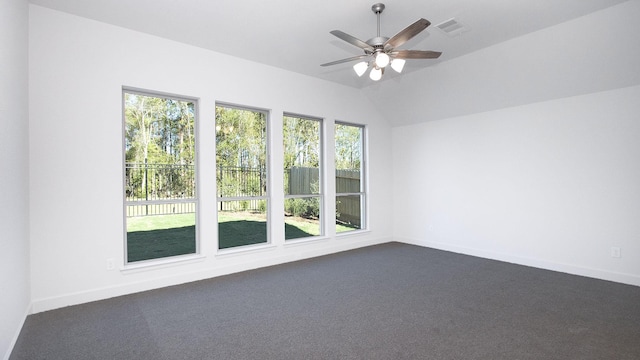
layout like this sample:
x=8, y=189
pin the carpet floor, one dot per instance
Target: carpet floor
x=390, y=301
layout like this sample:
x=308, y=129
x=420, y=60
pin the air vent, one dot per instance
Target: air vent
x=452, y=27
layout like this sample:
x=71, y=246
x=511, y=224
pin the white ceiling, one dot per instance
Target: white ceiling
x=294, y=35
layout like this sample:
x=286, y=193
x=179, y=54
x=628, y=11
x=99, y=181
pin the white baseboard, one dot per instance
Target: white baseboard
x=51, y=303
x=12, y=344
x=601, y=274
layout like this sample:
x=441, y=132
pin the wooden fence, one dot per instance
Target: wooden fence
x=303, y=180
x=348, y=207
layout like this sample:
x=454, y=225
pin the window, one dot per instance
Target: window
x=160, y=176
x=241, y=158
x=302, y=173
x=350, y=181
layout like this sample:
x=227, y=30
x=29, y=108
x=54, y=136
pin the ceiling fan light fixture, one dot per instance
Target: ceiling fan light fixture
x=398, y=65
x=375, y=74
x=361, y=68
x=382, y=60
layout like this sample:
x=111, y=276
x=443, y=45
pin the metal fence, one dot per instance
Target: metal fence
x=234, y=182
x=162, y=183
x=150, y=182
x=159, y=189
x=241, y=181
x=134, y=209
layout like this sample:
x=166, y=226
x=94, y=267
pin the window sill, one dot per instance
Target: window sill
x=161, y=263
x=244, y=250
x=306, y=240
x=353, y=233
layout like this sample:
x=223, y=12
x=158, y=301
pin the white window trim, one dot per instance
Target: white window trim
x=322, y=190
x=364, y=178
x=129, y=266
x=252, y=247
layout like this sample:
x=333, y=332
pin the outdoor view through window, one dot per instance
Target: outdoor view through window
x=241, y=158
x=302, y=173
x=161, y=202
x=350, y=189
x=160, y=176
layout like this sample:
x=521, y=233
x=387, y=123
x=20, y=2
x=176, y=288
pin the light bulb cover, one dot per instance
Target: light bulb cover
x=361, y=67
x=382, y=60
x=398, y=64
x=375, y=74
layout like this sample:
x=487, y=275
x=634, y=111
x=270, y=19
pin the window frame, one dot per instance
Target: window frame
x=196, y=165
x=266, y=197
x=321, y=195
x=364, y=181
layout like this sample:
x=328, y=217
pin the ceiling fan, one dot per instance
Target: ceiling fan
x=382, y=50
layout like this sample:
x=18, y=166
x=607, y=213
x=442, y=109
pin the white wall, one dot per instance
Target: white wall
x=552, y=185
x=533, y=156
x=77, y=70
x=14, y=176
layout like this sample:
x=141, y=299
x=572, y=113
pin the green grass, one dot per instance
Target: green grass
x=159, y=236
x=155, y=244
x=157, y=222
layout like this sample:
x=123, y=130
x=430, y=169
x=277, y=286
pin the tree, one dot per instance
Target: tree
x=159, y=136
x=241, y=152
x=348, y=147
x=301, y=142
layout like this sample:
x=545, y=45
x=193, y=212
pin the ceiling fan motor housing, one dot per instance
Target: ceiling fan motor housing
x=377, y=42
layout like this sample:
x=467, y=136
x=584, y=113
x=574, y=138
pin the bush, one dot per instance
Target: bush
x=262, y=206
x=303, y=207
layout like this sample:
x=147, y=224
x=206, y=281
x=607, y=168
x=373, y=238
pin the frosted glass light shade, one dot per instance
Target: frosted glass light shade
x=361, y=67
x=375, y=74
x=382, y=60
x=398, y=64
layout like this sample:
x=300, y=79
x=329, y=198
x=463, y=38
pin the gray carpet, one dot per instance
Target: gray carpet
x=391, y=301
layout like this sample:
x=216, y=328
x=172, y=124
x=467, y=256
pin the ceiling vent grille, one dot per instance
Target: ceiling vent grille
x=452, y=27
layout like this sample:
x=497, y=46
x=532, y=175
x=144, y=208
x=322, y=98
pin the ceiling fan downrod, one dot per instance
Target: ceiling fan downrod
x=381, y=59
x=377, y=9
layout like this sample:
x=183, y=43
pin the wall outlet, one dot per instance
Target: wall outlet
x=615, y=252
x=111, y=264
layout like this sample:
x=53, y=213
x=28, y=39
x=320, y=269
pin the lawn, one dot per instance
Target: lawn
x=158, y=236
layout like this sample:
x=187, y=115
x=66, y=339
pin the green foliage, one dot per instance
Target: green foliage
x=262, y=206
x=159, y=146
x=241, y=181
x=302, y=152
x=241, y=152
x=303, y=207
x=348, y=146
x=161, y=130
x=241, y=138
x=301, y=142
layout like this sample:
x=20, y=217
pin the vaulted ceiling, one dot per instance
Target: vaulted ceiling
x=294, y=35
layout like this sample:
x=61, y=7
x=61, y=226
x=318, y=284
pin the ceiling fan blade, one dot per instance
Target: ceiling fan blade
x=345, y=60
x=406, y=34
x=415, y=54
x=352, y=40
